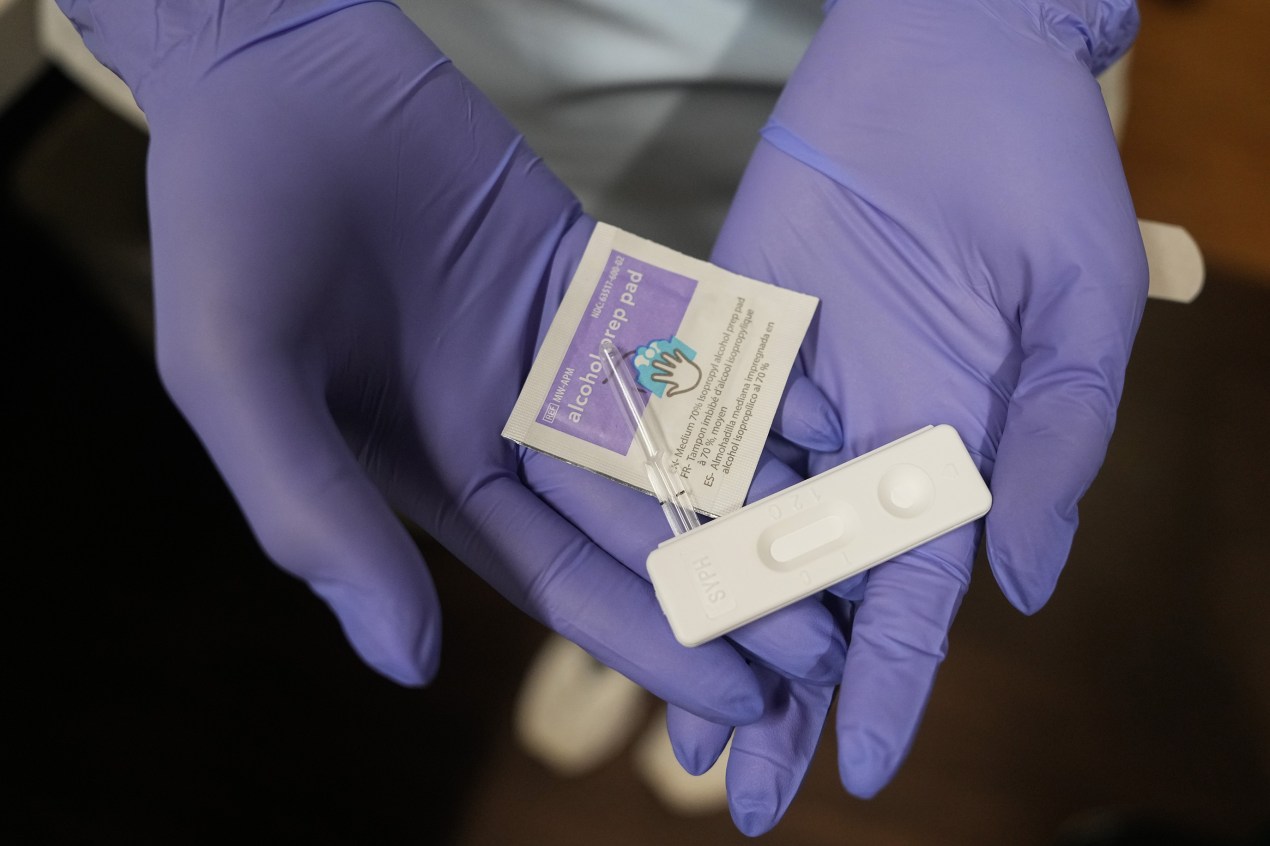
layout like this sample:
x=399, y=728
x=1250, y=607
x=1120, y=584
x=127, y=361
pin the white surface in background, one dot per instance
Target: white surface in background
x=574, y=714
x=61, y=43
x=685, y=794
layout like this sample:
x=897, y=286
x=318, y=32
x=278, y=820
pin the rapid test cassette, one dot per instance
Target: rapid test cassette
x=800, y=541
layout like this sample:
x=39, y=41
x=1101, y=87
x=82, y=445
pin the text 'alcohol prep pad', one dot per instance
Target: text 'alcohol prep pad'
x=711, y=352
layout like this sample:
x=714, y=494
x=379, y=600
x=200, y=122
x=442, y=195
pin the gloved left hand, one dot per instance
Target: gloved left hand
x=354, y=259
x=943, y=175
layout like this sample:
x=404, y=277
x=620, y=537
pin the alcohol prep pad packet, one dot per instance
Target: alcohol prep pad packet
x=711, y=352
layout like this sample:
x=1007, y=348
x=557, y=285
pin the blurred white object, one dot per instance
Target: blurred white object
x=60, y=42
x=1174, y=261
x=680, y=792
x=573, y=713
x=1114, y=82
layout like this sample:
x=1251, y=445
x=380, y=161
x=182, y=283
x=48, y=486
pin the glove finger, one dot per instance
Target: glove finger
x=543, y=564
x=771, y=475
x=697, y=743
x=851, y=588
x=801, y=640
x=806, y=417
x=899, y=637
x=788, y=453
x=311, y=506
x=1058, y=426
x=770, y=757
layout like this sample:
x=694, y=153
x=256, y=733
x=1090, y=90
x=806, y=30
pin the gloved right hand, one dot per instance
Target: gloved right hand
x=354, y=259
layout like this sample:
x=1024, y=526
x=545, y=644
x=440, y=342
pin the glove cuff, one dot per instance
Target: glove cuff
x=1096, y=31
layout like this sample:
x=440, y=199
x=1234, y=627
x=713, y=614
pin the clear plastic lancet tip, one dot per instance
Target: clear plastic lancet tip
x=669, y=488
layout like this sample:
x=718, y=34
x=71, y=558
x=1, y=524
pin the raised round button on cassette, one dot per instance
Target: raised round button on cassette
x=906, y=490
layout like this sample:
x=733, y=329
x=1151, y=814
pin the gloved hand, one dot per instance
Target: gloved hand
x=943, y=175
x=354, y=259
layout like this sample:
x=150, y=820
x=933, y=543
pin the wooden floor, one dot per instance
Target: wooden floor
x=168, y=685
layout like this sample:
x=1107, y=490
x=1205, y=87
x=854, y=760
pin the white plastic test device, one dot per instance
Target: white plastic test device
x=800, y=541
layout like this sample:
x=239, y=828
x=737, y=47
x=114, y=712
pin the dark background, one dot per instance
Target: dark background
x=170, y=685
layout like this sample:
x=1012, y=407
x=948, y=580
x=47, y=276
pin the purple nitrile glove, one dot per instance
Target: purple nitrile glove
x=943, y=175
x=355, y=257
x=803, y=641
